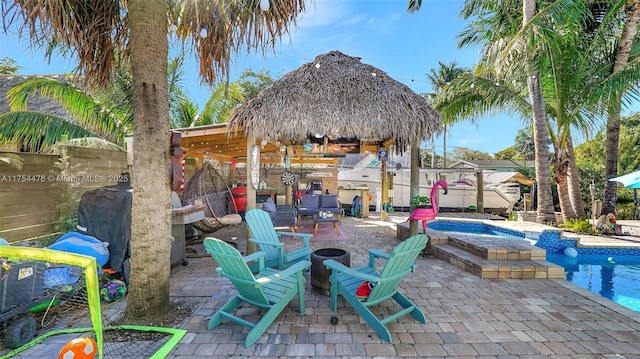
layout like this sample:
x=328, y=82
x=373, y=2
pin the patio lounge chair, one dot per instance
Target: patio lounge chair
x=399, y=263
x=270, y=289
x=264, y=234
x=331, y=203
x=309, y=205
x=281, y=215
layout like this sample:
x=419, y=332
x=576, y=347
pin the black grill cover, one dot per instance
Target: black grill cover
x=105, y=213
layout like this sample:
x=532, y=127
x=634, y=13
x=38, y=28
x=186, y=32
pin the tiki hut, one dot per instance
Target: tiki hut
x=337, y=94
x=333, y=96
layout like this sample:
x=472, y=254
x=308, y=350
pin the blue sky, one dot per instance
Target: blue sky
x=381, y=32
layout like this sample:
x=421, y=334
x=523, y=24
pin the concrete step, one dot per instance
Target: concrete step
x=498, y=248
x=493, y=268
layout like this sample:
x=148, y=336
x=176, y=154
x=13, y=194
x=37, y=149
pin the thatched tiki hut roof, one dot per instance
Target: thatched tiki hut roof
x=336, y=94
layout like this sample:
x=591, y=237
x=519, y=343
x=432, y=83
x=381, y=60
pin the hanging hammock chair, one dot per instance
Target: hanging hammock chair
x=208, y=186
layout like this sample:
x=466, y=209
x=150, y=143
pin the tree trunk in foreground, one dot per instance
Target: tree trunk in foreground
x=151, y=215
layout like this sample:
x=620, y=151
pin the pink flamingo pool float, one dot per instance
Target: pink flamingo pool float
x=427, y=214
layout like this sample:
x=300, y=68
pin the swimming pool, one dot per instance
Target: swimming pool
x=610, y=272
x=611, y=276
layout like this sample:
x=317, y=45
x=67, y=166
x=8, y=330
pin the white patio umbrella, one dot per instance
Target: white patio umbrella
x=631, y=180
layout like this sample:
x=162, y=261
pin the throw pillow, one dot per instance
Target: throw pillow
x=268, y=205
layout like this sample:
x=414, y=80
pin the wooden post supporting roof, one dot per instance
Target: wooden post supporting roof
x=414, y=189
x=251, y=191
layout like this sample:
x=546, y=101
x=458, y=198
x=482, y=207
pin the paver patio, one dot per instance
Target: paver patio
x=467, y=317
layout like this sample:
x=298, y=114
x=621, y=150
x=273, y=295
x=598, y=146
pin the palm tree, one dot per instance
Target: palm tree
x=622, y=59
x=524, y=144
x=101, y=34
x=501, y=38
x=545, y=212
x=440, y=78
x=563, y=70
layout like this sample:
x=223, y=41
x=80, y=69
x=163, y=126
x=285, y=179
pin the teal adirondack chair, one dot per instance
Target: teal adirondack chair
x=270, y=289
x=399, y=263
x=264, y=234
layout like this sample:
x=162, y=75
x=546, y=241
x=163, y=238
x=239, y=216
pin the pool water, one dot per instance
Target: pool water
x=613, y=277
x=475, y=229
x=485, y=234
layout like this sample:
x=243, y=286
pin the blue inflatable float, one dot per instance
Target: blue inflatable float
x=78, y=243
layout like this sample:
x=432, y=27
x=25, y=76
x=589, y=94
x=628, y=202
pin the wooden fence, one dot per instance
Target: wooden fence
x=31, y=198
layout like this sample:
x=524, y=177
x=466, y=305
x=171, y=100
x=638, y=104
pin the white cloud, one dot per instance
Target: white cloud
x=342, y=25
x=322, y=13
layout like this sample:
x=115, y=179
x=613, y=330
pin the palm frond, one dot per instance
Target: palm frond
x=414, y=6
x=471, y=96
x=11, y=159
x=86, y=142
x=175, y=74
x=231, y=26
x=492, y=21
x=624, y=82
x=220, y=104
x=524, y=50
x=95, y=31
x=85, y=110
x=184, y=115
x=118, y=96
x=35, y=130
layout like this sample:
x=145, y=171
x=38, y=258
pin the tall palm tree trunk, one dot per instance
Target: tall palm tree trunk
x=151, y=216
x=610, y=197
x=629, y=31
x=540, y=134
x=573, y=181
x=561, y=174
x=564, y=199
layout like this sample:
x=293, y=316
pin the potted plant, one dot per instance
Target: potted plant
x=420, y=201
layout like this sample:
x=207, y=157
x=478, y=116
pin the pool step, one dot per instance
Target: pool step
x=498, y=268
x=497, y=248
x=489, y=257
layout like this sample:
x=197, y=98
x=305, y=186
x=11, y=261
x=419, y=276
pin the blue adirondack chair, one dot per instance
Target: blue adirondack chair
x=269, y=289
x=400, y=262
x=264, y=234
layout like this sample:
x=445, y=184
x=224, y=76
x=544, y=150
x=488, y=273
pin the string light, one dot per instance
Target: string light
x=264, y=5
x=203, y=32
